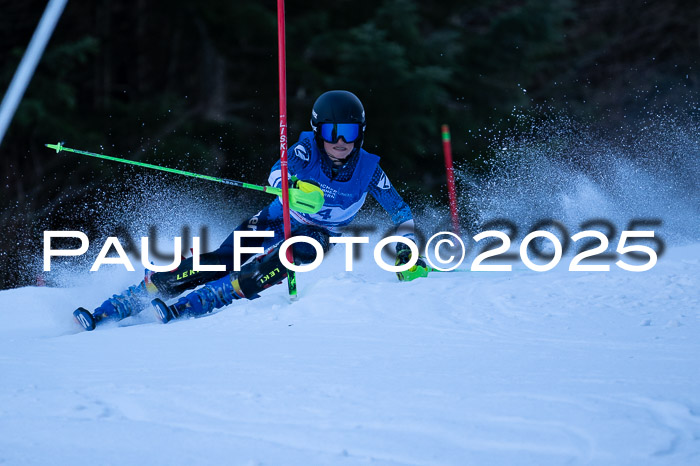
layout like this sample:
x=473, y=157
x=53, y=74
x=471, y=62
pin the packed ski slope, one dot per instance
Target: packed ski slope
x=506, y=368
x=485, y=368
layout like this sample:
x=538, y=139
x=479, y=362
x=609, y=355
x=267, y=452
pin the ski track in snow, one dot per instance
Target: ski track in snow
x=459, y=368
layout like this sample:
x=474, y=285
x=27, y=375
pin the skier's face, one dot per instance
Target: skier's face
x=338, y=151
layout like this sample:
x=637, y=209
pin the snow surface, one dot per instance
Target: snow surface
x=503, y=368
x=476, y=368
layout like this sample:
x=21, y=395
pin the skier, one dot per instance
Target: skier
x=330, y=157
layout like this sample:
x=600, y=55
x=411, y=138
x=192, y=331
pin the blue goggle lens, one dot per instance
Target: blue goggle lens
x=331, y=132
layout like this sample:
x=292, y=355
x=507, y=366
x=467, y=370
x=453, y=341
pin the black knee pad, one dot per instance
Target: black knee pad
x=267, y=270
x=305, y=253
x=185, y=277
x=261, y=273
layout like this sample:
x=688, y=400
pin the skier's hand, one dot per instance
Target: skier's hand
x=307, y=186
x=296, y=183
x=305, y=196
x=420, y=269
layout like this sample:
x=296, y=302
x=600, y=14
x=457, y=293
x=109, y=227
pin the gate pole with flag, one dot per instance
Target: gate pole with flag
x=447, y=149
x=291, y=276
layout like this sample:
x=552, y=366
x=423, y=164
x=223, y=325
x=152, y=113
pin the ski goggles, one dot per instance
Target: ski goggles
x=332, y=132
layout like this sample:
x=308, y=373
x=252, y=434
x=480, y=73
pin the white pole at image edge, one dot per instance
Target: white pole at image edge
x=26, y=67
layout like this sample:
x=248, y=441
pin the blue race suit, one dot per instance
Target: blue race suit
x=345, y=190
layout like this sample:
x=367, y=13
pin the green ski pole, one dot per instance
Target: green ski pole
x=432, y=269
x=307, y=198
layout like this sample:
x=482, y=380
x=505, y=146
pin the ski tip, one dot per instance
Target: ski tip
x=161, y=310
x=83, y=317
x=56, y=147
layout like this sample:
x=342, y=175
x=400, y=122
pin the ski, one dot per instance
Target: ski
x=163, y=312
x=85, y=319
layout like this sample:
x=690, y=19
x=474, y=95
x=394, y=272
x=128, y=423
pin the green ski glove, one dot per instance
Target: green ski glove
x=420, y=269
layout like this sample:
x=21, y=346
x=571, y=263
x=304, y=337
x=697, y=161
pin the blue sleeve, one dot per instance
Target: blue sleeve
x=297, y=158
x=384, y=192
x=275, y=177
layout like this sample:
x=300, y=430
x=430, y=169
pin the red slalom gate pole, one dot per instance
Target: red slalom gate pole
x=282, y=67
x=447, y=149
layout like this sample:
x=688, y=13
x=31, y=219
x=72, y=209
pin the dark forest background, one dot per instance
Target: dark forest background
x=193, y=85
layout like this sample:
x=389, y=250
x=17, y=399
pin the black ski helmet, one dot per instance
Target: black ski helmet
x=338, y=107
